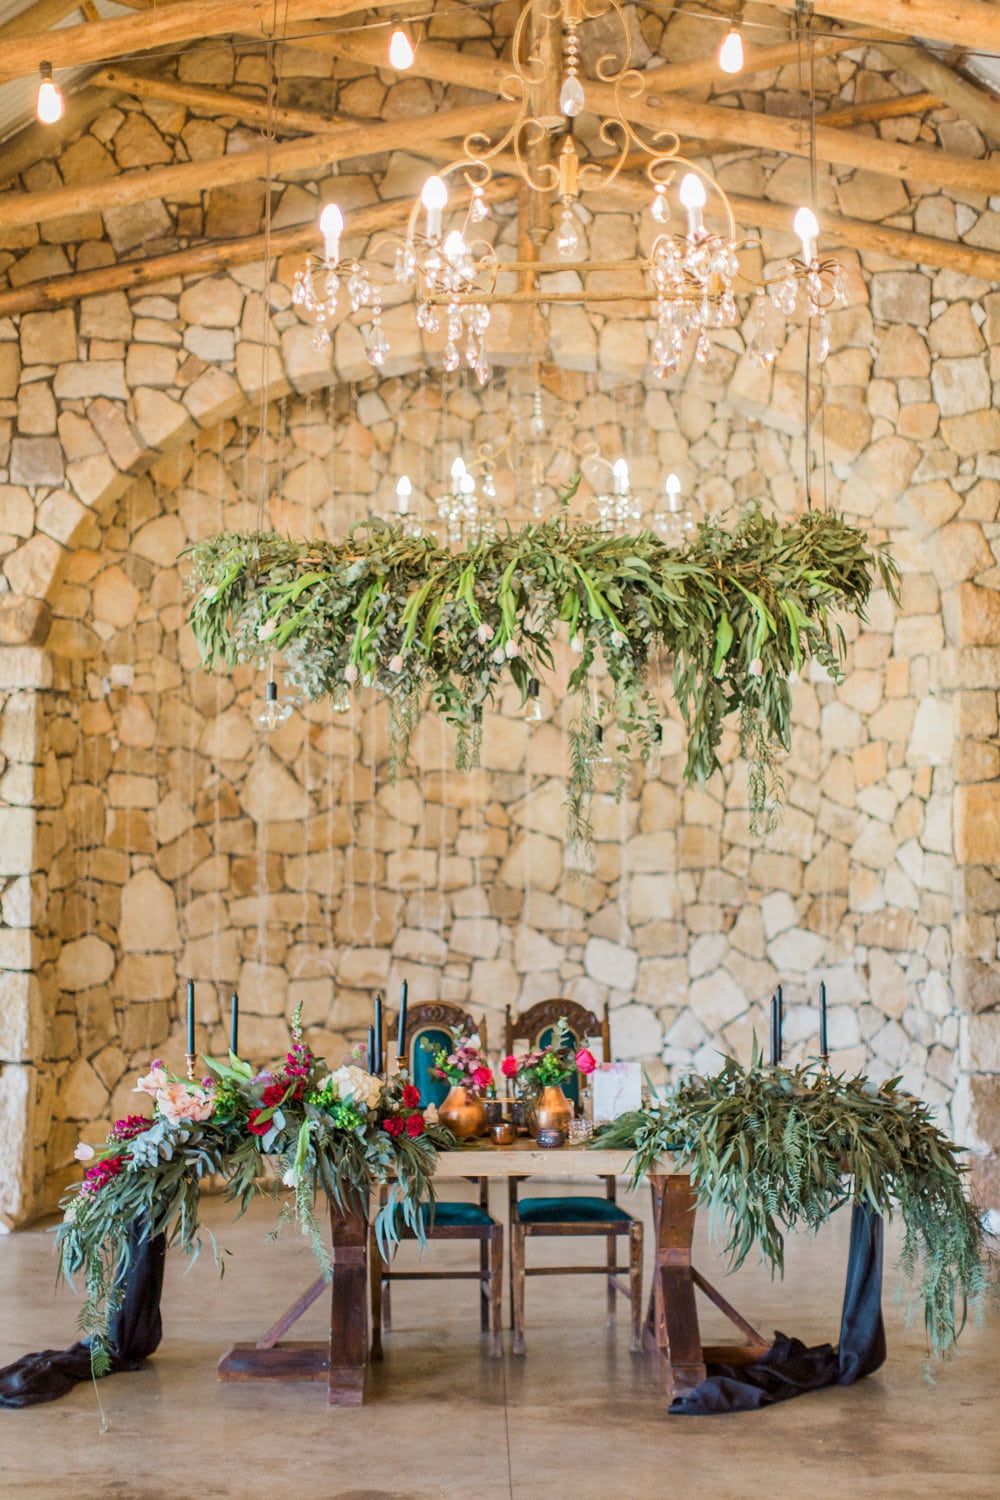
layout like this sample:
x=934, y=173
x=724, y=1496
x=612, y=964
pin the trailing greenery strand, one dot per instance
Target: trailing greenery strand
x=739, y=611
x=770, y=1149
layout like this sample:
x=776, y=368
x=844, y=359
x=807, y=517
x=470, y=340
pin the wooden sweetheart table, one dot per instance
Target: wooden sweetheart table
x=671, y=1332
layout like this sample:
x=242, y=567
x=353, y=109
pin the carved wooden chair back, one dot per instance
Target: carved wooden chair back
x=538, y=1027
x=431, y=1022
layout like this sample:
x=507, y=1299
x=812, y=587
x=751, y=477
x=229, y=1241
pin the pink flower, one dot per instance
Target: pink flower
x=394, y=1125
x=396, y=664
x=154, y=1080
x=756, y=667
x=482, y=1078
x=585, y=1061
x=512, y=649
x=182, y=1101
x=350, y=672
x=509, y=1067
x=484, y=634
x=499, y=656
x=414, y=1126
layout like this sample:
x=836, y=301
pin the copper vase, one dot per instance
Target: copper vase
x=551, y=1111
x=462, y=1113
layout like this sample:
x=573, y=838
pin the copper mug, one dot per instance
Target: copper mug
x=504, y=1133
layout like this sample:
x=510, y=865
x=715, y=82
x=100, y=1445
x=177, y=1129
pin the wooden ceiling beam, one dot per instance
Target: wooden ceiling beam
x=39, y=17
x=970, y=24
x=714, y=122
x=879, y=109
x=252, y=110
x=205, y=260
x=969, y=102
x=345, y=143
x=170, y=25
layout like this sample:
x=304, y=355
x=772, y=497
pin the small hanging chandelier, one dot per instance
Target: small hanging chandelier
x=690, y=278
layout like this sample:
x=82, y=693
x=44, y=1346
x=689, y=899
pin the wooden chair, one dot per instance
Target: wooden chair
x=447, y=1220
x=569, y=1216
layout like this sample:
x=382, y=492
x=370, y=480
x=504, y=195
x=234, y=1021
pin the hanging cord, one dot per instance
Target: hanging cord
x=807, y=55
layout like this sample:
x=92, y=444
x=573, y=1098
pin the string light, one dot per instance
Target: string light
x=401, y=49
x=271, y=714
x=731, y=51
x=533, y=711
x=50, y=104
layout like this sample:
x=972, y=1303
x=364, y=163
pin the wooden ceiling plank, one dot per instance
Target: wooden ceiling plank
x=171, y=25
x=254, y=111
x=879, y=109
x=969, y=102
x=39, y=17
x=58, y=291
x=347, y=142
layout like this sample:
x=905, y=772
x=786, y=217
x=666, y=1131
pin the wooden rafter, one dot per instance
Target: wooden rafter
x=971, y=103
x=713, y=122
x=253, y=110
x=204, y=260
x=970, y=24
x=172, y=25
x=39, y=17
x=344, y=143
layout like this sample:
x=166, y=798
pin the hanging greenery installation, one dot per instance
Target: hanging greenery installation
x=737, y=613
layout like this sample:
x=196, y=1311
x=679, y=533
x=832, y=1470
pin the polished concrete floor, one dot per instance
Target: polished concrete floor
x=580, y=1418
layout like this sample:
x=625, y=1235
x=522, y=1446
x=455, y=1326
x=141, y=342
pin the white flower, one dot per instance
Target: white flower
x=484, y=633
x=210, y=594
x=499, y=655
x=576, y=643
x=473, y=1041
x=266, y=630
x=69, y=1213
x=154, y=1080
x=356, y=1085
x=84, y=1152
x=350, y=672
x=617, y=639
x=290, y=1177
x=430, y=1114
x=756, y=667
x=396, y=664
x=794, y=679
x=512, y=649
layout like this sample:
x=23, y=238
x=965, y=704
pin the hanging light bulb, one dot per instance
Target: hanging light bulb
x=599, y=755
x=533, y=712
x=694, y=198
x=434, y=197
x=807, y=228
x=401, y=50
x=404, y=489
x=673, y=489
x=458, y=471
x=620, y=476
x=271, y=714
x=731, y=51
x=49, y=104
x=331, y=225
x=655, y=757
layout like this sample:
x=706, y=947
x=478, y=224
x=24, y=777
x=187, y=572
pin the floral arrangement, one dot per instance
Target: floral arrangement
x=466, y=1064
x=550, y=1066
x=738, y=610
x=771, y=1148
x=342, y=1132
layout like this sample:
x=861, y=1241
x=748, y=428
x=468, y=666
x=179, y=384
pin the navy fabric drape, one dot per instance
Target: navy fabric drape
x=134, y=1333
x=789, y=1368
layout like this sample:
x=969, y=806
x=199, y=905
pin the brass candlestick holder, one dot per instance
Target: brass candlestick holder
x=190, y=1058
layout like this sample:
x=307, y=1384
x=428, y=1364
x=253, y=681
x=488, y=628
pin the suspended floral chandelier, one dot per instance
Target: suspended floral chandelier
x=690, y=278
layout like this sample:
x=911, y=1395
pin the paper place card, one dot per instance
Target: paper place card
x=616, y=1088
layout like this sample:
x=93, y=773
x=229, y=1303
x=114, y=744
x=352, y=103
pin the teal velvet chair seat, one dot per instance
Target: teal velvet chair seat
x=529, y=1217
x=448, y=1219
x=570, y=1211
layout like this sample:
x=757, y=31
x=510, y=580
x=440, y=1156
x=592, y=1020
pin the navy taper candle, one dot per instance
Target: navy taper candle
x=234, y=1025
x=401, y=1033
x=379, y=1035
x=824, y=1040
x=780, y=1024
x=190, y=1017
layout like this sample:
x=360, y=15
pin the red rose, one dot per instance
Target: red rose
x=411, y=1096
x=414, y=1126
x=255, y=1125
x=273, y=1094
x=482, y=1078
x=585, y=1061
x=393, y=1125
x=509, y=1067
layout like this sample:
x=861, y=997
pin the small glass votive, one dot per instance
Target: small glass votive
x=550, y=1138
x=580, y=1131
x=503, y=1132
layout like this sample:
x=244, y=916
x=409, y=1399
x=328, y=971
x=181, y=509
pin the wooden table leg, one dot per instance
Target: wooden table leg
x=348, y=1307
x=672, y=1324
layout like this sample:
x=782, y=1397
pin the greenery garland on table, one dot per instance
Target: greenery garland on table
x=770, y=1149
x=739, y=610
x=344, y=1133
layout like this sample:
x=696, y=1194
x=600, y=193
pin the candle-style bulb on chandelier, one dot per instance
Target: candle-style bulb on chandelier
x=691, y=275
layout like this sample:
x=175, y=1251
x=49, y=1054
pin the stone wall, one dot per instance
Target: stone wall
x=147, y=832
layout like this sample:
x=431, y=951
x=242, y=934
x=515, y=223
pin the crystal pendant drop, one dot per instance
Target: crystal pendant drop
x=483, y=368
x=376, y=345
x=451, y=359
x=571, y=96
x=567, y=238
x=822, y=341
x=661, y=207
